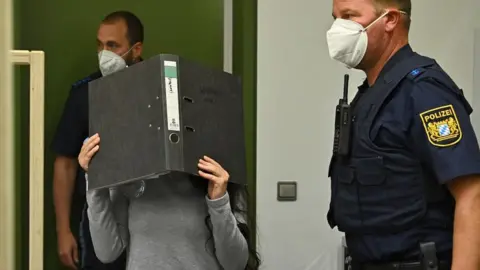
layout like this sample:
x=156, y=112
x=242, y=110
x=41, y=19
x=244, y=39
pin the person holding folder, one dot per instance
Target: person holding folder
x=172, y=224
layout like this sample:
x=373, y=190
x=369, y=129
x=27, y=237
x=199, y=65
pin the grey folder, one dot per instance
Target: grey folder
x=161, y=115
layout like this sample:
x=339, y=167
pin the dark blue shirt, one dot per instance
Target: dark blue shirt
x=433, y=121
x=73, y=126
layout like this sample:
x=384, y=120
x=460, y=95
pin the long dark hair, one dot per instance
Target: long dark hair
x=239, y=201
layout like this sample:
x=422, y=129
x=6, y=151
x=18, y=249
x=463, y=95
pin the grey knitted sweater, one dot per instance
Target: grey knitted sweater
x=164, y=228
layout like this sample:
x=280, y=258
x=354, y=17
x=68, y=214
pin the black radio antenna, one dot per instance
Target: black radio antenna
x=345, y=88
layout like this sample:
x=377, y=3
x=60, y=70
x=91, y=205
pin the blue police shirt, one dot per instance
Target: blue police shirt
x=433, y=120
x=73, y=126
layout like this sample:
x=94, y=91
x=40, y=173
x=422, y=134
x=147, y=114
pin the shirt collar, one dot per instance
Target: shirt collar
x=405, y=52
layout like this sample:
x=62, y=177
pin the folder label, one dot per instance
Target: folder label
x=171, y=89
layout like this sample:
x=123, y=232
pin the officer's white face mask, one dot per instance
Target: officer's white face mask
x=347, y=41
x=110, y=62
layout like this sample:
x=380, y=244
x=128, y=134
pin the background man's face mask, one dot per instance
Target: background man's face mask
x=110, y=62
x=347, y=41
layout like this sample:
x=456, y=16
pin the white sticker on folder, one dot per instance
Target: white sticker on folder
x=171, y=89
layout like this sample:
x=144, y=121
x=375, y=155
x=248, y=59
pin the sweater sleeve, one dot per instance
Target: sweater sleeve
x=231, y=247
x=108, y=218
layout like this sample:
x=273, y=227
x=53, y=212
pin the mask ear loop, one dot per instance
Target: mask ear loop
x=127, y=52
x=376, y=20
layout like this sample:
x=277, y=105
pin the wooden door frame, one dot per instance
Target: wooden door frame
x=7, y=192
x=36, y=62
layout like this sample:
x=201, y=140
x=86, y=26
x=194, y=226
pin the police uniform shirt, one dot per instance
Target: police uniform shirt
x=73, y=126
x=433, y=121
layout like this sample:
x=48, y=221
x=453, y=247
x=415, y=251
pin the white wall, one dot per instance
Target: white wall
x=476, y=84
x=298, y=88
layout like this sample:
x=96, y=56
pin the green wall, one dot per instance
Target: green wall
x=245, y=65
x=66, y=31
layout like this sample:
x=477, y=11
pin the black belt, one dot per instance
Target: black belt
x=403, y=266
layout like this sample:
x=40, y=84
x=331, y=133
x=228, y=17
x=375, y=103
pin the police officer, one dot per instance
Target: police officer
x=119, y=44
x=407, y=191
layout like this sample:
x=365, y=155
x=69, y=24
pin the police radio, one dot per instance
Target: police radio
x=341, y=140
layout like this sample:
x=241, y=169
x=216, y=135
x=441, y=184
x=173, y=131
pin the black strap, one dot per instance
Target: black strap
x=429, y=256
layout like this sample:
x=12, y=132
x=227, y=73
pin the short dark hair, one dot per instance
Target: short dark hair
x=403, y=5
x=134, y=25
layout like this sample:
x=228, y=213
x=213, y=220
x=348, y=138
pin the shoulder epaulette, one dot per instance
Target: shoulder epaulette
x=414, y=74
x=86, y=80
x=81, y=82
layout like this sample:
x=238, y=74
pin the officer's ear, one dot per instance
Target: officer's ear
x=393, y=18
x=137, y=50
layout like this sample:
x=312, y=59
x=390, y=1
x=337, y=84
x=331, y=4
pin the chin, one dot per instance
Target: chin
x=363, y=65
x=360, y=66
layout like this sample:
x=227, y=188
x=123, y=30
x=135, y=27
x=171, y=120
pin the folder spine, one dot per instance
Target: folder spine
x=173, y=121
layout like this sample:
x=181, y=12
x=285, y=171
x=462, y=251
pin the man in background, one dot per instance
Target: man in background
x=119, y=44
